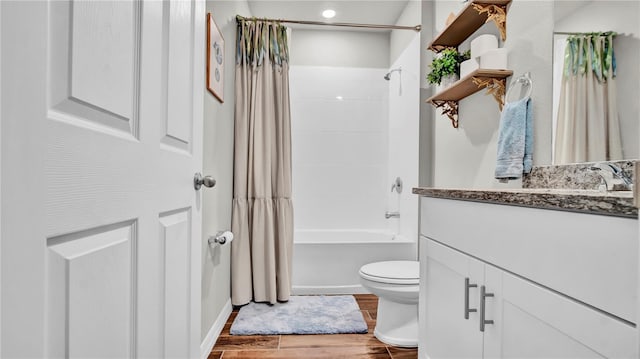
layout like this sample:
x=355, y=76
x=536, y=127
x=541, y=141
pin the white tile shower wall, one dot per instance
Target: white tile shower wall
x=339, y=138
x=404, y=140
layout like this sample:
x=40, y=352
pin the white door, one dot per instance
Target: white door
x=101, y=136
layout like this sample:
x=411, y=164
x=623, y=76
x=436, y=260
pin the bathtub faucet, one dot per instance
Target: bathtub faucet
x=388, y=215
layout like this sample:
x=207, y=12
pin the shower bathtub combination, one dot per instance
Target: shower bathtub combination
x=328, y=261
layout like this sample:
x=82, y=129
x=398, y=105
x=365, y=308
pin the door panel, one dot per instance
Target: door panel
x=101, y=228
x=179, y=101
x=174, y=235
x=94, y=65
x=88, y=270
x=103, y=54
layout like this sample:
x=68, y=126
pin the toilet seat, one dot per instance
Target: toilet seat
x=392, y=272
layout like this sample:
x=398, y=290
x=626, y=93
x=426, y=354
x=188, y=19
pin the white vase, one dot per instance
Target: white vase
x=446, y=82
x=449, y=80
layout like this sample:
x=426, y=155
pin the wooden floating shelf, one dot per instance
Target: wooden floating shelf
x=493, y=80
x=470, y=19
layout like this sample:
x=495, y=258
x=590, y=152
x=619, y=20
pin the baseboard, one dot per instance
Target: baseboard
x=215, y=330
x=328, y=290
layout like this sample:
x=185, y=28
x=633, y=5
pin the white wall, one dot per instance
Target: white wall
x=218, y=162
x=427, y=124
x=339, y=147
x=465, y=157
x=404, y=121
x=400, y=39
x=339, y=48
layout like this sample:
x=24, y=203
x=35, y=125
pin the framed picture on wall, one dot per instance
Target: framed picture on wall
x=215, y=59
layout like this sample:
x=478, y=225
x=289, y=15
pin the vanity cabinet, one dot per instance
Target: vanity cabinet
x=556, y=284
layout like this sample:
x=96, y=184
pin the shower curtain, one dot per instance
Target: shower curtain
x=262, y=218
x=588, y=128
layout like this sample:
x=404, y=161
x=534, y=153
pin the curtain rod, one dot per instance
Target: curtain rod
x=586, y=33
x=343, y=24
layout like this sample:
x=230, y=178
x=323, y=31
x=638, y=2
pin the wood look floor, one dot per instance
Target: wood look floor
x=331, y=346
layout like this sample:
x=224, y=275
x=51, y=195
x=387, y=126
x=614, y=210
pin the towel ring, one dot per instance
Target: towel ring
x=524, y=81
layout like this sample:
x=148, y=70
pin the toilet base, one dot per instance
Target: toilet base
x=397, y=323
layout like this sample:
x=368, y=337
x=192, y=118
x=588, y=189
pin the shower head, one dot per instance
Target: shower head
x=388, y=75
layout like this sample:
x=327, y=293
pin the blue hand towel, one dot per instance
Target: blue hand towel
x=515, y=140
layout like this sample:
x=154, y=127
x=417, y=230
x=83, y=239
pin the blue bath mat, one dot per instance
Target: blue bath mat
x=338, y=314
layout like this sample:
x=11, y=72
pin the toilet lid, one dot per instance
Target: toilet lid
x=393, y=272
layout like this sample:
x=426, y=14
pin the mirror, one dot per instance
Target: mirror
x=622, y=17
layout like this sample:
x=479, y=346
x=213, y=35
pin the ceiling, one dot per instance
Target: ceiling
x=384, y=12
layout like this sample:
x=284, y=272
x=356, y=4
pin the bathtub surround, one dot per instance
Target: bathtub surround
x=262, y=209
x=339, y=147
x=404, y=138
x=301, y=315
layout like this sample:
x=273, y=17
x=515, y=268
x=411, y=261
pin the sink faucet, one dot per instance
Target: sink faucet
x=388, y=215
x=613, y=176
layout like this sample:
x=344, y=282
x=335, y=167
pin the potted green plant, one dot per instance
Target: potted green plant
x=447, y=64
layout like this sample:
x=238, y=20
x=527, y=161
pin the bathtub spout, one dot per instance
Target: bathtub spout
x=388, y=215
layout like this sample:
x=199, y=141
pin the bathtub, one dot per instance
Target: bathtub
x=327, y=261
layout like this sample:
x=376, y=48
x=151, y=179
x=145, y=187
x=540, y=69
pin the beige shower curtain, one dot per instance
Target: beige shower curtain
x=588, y=128
x=262, y=210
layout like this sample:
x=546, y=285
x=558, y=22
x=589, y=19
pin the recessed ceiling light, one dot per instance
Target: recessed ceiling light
x=328, y=14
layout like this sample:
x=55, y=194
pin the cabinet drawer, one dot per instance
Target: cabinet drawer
x=590, y=258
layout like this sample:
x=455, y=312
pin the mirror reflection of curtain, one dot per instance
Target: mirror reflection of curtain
x=262, y=217
x=588, y=128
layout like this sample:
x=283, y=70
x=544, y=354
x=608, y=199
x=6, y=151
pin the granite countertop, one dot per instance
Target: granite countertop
x=613, y=203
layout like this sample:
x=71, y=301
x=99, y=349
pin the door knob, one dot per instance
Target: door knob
x=199, y=181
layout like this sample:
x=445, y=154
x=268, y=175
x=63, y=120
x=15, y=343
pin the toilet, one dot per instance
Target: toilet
x=396, y=283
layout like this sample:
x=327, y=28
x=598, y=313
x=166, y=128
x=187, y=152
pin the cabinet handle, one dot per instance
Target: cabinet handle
x=468, y=310
x=483, y=295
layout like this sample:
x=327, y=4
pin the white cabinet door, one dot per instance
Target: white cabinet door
x=533, y=322
x=447, y=333
x=101, y=129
